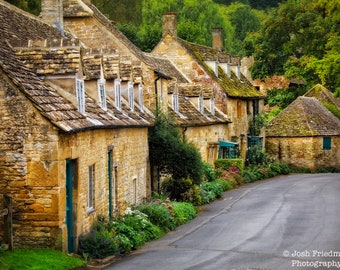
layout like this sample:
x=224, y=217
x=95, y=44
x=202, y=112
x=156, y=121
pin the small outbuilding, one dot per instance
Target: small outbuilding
x=305, y=135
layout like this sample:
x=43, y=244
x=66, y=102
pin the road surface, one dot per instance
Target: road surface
x=288, y=222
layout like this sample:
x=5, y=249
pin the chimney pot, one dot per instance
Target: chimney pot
x=169, y=24
x=217, y=38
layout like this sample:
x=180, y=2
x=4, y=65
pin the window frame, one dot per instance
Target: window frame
x=131, y=95
x=102, y=94
x=327, y=143
x=91, y=189
x=80, y=92
x=118, y=96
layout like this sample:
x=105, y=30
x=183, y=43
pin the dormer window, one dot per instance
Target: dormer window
x=131, y=96
x=117, y=87
x=140, y=97
x=175, y=102
x=201, y=104
x=212, y=106
x=80, y=92
x=102, y=93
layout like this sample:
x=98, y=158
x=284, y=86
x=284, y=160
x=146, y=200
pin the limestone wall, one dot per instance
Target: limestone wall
x=304, y=152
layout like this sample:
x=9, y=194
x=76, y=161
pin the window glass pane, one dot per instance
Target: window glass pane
x=327, y=143
x=91, y=188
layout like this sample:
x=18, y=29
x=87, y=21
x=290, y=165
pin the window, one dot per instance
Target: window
x=131, y=95
x=80, y=95
x=327, y=143
x=140, y=96
x=102, y=94
x=90, y=202
x=255, y=107
x=175, y=102
x=212, y=106
x=118, y=94
x=201, y=104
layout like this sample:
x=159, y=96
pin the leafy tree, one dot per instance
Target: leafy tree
x=300, y=39
x=170, y=154
x=32, y=6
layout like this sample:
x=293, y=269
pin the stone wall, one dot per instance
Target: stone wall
x=304, y=152
x=206, y=139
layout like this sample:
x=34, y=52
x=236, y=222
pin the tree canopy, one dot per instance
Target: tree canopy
x=300, y=39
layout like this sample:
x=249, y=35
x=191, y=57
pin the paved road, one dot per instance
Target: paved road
x=289, y=222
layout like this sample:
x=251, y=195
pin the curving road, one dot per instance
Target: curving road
x=289, y=222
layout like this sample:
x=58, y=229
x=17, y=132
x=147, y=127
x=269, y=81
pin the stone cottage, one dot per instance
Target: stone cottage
x=164, y=84
x=214, y=69
x=305, y=135
x=67, y=122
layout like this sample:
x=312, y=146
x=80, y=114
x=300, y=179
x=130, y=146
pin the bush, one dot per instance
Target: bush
x=177, y=189
x=210, y=191
x=225, y=184
x=226, y=164
x=209, y=172
x=183, y=212
x=98, y=244
x=160, y=214
x=256, y=156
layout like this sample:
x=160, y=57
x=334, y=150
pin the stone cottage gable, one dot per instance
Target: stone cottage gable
x=304, y=117
x=235, y=84
x=322, y=94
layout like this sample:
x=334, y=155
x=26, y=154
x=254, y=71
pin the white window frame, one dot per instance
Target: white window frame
x=118, y=95
x=80, y=92
x=102, y=94
x=175, y=106
x=131, y=95
x=212, y=106
x=140, y=97
x=201, y=104
x=91, y=189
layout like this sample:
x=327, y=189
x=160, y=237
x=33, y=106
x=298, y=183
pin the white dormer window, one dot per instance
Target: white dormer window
x=140, y=97
x=201, y=104
x=212, y=106
x=175, y=102
x=80, y=91
x=131, y=95
x=102, y=93
x=228, y=71
x=118, y=93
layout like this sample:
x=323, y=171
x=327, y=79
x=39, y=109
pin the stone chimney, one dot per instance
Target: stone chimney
x=169, y=24
x=52, y=12
x=217, y=38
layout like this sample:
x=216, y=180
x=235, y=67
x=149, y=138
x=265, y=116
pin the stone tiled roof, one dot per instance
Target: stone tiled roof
x=189, y=116
x=19, y=28
x=322, y=94
x=160, y=65
x=234, y=87
x=304, y=117
x=76, y=8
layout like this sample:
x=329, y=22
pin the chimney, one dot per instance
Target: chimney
x=217, y=38
x=52, y=12
x=169, y=24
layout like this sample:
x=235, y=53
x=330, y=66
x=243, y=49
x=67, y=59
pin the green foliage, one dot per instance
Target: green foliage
x=183, y=211
x=256, y=156
x=177, y=189
x=31, y=6
x=255, y=173
x=98, y=244
x=332, y=108
x=160, y=214
x=256, y=124
x=171, y=154
x=226, y=164
x=209, y=172
x=210, y=191
x=300, y=40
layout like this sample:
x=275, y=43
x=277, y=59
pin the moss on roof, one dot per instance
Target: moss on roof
x=304, y=117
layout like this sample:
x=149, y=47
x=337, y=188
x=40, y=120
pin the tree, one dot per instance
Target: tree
x=300, y=39
x=171, y=154
x=31, y=6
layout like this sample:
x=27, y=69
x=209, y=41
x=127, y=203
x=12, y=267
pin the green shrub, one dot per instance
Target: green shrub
x=256, y=156
x=159, y=214
x=177, y=189
x=183, y=212
x=225, y=184
x=209, y=172
x=210, y=191
x=226, y=164
x=98, y=244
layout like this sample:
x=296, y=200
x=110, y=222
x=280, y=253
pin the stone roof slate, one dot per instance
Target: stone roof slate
x=19, y=27
x=322, y=94
x=304, y=117
x=234, y=87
